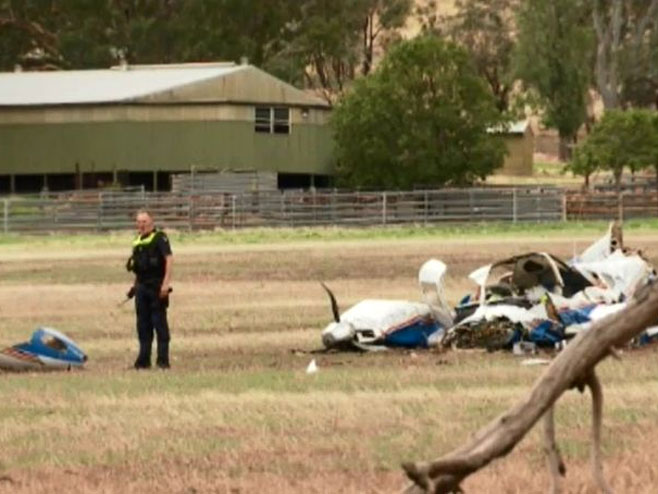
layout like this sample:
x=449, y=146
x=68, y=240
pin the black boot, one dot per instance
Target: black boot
x=142, y=364
x=144, y=358
x=163, y=355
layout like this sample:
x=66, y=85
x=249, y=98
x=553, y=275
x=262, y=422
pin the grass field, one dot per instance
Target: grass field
x=237, y=413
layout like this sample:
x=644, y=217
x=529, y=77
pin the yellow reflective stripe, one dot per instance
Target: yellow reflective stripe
x=139, y=241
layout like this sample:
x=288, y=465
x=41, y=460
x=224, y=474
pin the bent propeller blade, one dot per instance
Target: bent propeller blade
x=334, y=304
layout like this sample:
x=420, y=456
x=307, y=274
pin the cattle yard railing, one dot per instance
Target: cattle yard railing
x=114, y=210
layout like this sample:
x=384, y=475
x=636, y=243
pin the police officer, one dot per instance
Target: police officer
x=151, y=262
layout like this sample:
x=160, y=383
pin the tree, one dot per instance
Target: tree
x=232, y=29
x=620, y=139
x=552, y=60
x=72, y=34
x=583, y=163
x=626, y=45
x=28, y=34
x=420, y=118
x=652, y=146
x=485, y=29
x=76, y=34
x=332, y=41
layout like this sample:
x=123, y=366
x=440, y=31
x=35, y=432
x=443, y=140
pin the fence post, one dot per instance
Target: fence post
x=514, y=205
x=190, y=212
x=5, y=222
x=620, y=206
x=333, y=207
x=564, y=205
x=425, y=208
x=471, y=207
x=383, y=208
x=99, y=212
x=233, y=211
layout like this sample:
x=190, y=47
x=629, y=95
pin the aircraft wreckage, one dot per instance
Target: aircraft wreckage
x=48, y=349
x=534, y=298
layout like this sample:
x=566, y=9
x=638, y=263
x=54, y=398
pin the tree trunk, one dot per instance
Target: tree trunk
x=608, y=36
x=655, y=167
x=565, y=147
x=569, y=368
x=617, y=175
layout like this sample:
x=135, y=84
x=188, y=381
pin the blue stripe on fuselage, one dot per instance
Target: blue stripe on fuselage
x=412, y=336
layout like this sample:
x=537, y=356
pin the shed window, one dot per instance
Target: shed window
x=281, y=120
x=272, y=120
x=263, y=120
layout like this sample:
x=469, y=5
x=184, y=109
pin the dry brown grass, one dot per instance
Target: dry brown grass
x=237, y=413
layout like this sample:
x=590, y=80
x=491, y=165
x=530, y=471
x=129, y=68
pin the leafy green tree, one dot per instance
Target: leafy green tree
x=67, y=34
x=232, y=29
x=333, y=41
x=28, y=34
x=652, y=145
x=42, y=34
x=583, y=163
x=552, y=58
x=485, y=28
x=619, y=140
x=422, y=117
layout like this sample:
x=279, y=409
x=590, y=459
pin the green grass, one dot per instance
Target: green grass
x=263, y=236
x=549, y=169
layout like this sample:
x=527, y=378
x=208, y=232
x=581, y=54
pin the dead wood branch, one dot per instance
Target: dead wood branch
x=573, y=367
x=554, y=460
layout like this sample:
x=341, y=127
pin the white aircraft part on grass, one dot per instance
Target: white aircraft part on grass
x=589, y=296
x=430, y=278
x=480, y=276
x=599, y=250
x=621, y=273
x=375, y=324
x=511, y=312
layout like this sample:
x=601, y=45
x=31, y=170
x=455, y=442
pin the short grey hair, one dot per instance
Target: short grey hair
x=144, y=211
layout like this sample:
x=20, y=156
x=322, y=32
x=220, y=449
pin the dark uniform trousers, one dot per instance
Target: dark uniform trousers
x=151, y=315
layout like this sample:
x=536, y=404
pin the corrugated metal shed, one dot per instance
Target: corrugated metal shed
x=519, y=128
x=216, y=82
x=139, y=124
x=520, y=143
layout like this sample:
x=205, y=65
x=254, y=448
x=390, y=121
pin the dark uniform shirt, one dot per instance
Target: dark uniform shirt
x=149, y=257
x=162, y=244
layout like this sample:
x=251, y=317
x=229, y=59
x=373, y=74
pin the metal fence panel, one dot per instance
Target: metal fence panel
x=210, y=209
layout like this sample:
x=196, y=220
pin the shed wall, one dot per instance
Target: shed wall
x=519, y=160
x=163, y=145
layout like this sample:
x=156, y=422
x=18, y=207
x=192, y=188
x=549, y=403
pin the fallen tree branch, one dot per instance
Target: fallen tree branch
x=574, y=366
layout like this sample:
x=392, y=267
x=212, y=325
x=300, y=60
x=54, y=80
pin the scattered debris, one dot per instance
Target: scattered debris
x=540, y=299
x=535, y=361
x=524, y=348
x=312, y=367
x=48, y=349
x=522, y=303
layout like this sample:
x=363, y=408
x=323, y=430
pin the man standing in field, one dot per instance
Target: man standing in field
x=151, y=262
